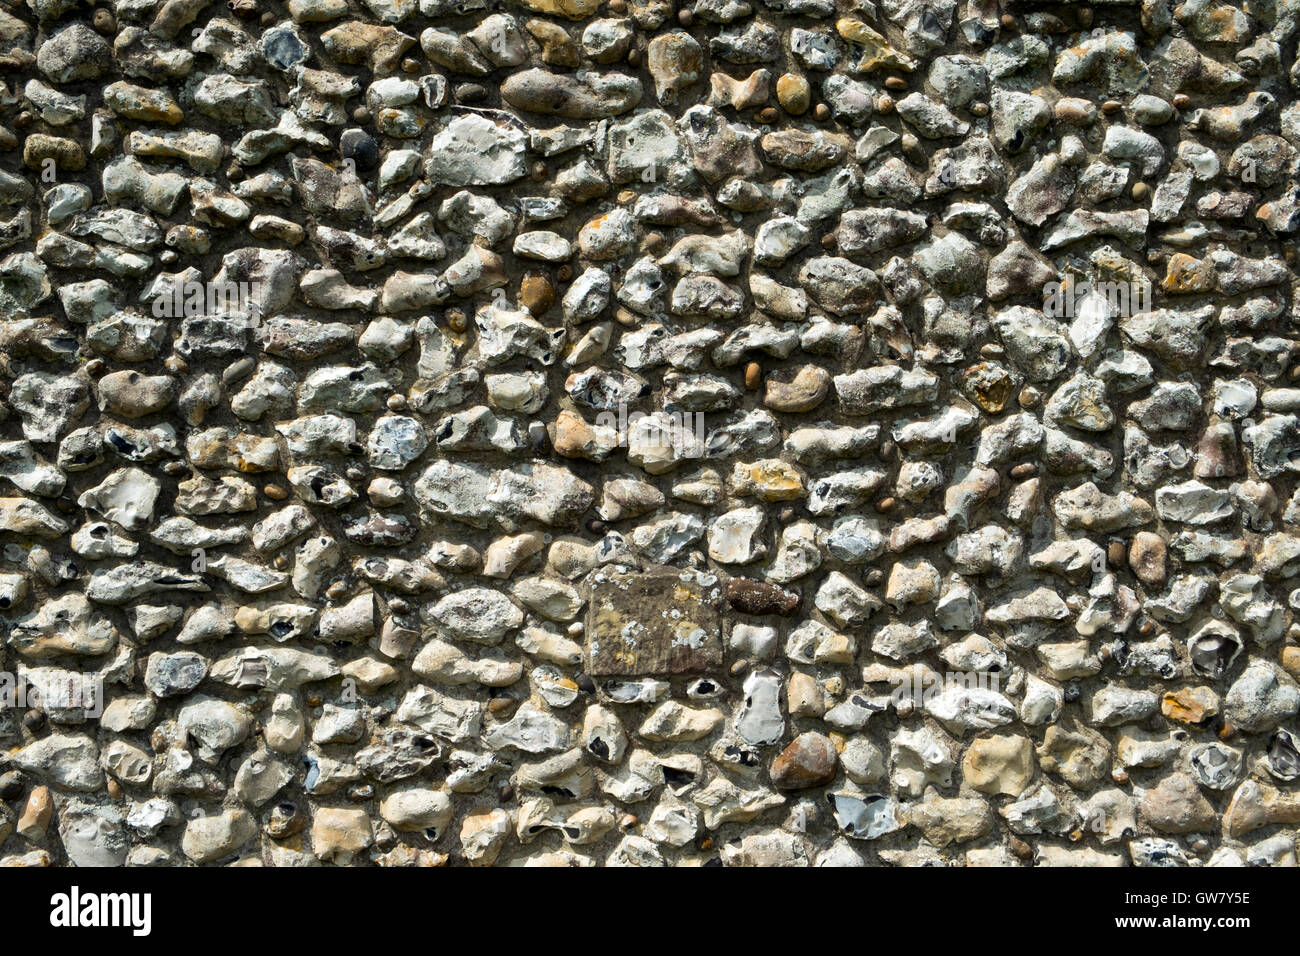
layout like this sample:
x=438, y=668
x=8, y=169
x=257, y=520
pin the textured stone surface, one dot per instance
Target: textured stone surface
x=652, y=432
x=649, y=623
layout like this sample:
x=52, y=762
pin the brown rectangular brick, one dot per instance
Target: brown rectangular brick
x=654, y=622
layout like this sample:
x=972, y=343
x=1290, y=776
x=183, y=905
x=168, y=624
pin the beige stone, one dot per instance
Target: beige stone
x=339, y=834
x=999, y=765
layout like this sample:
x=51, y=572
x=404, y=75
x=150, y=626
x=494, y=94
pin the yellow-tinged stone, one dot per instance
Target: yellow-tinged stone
x=254, y=453
x=1112, y=267
x=999, y=765
x=572, y=9
x=836, y=650
x=804, y=697
x=1213, y=22
x=65, y=153
x=989, y=385
x=912, y=582
x=340, y=833
x=1186, y=274
x=252, y=620
x=36, y=814
x=140, y=103
x=1190, y=705
x=536, y=293
x=769, y=480
x=793, y=93
x=877, y=54
x=1291, y=660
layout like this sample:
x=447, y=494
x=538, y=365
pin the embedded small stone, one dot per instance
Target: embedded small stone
x=793, y=93
x=757, y=597
x=1190, y=705
x=810, y=760
x=1146, y=556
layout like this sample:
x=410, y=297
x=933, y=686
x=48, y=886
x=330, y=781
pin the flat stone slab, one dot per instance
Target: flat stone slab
x=654, y=622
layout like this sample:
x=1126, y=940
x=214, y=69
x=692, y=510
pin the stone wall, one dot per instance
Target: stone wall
x=649, y=432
